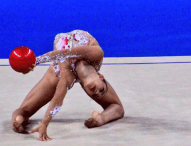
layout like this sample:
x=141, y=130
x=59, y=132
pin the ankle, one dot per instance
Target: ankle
x=100, y=120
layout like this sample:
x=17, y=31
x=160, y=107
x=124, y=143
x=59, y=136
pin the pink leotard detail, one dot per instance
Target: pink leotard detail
x=70, y=40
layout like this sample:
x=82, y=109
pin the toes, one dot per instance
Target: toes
x=90, y=123
x=17, y=127
x=48, y=138
x=44, y=138
x=86, y=123
x=19, y=124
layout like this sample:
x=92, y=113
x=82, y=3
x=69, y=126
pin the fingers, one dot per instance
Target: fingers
x=42, y=133
x=44, y=137
x=34, y=130
x=40, y=137
x=31, y=69
x=48, y=138
x=33, y=65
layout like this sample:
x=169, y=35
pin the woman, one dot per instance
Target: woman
x=77, y=57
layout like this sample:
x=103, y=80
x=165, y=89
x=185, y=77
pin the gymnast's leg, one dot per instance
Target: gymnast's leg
x=113, y=109
x=39, y=96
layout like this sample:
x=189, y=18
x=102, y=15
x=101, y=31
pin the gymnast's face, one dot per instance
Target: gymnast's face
x=95, y=87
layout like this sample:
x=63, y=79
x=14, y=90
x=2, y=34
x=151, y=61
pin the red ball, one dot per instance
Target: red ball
x=21, y=59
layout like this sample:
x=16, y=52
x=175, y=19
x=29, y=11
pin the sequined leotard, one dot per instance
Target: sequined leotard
x=69, y=40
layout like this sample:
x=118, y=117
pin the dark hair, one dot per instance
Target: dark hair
x=106, y=85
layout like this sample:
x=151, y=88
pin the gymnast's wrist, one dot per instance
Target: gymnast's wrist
x=37, y=60
x=45, y=122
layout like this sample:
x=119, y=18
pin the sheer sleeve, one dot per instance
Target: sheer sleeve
x=92, y=54
x=55, y=56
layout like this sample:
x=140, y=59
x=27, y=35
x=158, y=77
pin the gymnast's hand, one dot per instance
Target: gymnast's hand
x=30, y=69
x=42, y=129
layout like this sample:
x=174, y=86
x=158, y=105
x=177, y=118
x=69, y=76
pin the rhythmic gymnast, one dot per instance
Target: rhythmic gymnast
x=77, y=57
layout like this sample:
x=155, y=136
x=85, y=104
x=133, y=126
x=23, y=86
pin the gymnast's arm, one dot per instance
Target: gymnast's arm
x=66, y=79
x=56, y=102
x=113, y=109
x=92, y=54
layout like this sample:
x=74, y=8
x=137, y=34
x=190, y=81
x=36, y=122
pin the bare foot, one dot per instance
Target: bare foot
x=95, y=121
x=18, y=124
x=95, y=114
